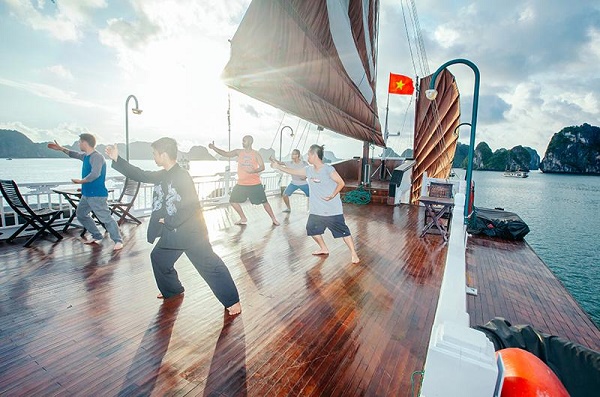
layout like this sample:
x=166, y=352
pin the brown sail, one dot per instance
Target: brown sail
x=315, y=59
x=435, y=130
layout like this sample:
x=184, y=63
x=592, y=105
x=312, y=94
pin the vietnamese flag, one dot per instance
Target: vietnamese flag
x=400, y=84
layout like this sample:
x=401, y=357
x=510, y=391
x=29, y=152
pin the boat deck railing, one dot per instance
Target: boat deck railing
x=212, y=190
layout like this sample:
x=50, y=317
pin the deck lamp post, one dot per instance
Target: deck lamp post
x=135, y=110
x=458, y=127
x=281, y=138
x=431, y=94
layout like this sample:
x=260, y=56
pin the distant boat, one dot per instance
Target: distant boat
x=9, y=158
x=517, y=174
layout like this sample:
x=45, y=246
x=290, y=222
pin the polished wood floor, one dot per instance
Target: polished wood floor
x=514, y=283
x=77, y=320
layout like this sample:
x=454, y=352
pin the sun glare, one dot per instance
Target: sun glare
x=179, y=81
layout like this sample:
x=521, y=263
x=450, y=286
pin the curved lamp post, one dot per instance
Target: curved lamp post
x=281, y=138
x=431, y=94
x=135, y=110
x=458, y=127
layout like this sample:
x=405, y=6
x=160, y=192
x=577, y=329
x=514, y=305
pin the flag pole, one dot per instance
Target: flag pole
x=385, y=137
x=386, y=133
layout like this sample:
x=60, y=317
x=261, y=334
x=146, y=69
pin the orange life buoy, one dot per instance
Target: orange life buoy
x=526, y=375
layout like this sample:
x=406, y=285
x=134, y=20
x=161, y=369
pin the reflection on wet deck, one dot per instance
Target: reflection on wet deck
x=77, y=320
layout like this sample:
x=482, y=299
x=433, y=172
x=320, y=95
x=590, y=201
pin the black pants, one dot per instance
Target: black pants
x=209, y=265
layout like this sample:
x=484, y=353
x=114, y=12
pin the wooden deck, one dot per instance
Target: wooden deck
x=78, y=320
x=514, y=283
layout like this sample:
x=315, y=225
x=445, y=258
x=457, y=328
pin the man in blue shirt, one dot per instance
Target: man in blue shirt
x=94, y=194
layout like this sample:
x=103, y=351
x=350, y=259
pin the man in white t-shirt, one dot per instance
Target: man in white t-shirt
x=298, y=182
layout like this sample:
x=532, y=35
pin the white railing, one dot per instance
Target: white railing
x=460, y=360
x=212, y=190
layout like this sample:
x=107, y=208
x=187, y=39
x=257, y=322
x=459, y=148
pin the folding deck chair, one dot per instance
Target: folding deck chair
x=124, y=204
x=441, y=190
x=39, y=219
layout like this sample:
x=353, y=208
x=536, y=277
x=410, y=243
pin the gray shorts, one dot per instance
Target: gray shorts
x=241, y=193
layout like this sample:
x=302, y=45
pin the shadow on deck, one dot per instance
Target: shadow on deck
x=79, y=320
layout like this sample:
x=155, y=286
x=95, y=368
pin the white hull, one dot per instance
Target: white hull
x=516, y=174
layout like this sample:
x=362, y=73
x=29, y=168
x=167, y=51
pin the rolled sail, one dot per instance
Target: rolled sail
x=435, y=131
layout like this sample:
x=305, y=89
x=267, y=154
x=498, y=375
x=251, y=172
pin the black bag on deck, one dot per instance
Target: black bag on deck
x=497, y=223
x=577, y=367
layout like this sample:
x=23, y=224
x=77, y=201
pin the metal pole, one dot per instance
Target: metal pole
x=281, y=137
x=135, y=110
x=469, y=175
x=386, y=134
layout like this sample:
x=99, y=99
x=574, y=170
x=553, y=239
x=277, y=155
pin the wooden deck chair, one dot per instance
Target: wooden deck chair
x=38, y=219
x=122, y=207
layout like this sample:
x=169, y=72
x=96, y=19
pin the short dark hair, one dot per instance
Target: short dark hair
x=89, y=138
x=166, y=145
x=318, y=149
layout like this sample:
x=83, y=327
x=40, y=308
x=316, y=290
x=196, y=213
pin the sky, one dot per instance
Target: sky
x=68, y=67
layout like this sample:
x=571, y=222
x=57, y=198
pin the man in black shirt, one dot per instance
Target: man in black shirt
x=178, y=222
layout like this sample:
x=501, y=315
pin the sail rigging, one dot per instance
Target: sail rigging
x=315, y=59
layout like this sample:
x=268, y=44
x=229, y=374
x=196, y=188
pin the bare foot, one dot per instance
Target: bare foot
x=235, y=309
x=161, y=296
x=276, y=222
x=320, y=252
x=241, y=222
x=355, y=259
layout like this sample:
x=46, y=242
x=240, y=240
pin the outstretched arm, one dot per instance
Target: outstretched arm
x=55, y=146
x=291, y=171
x=222, y=152
x=131, y=171
x=274, y=160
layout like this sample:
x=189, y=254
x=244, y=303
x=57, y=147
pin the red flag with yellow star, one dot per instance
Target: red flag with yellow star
x=400, y=84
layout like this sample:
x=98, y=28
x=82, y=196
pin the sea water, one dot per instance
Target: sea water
x=560, y=210
x=64, y=169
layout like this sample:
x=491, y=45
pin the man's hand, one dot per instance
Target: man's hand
x=112, y=152
x=55, y=146
x=77, y=181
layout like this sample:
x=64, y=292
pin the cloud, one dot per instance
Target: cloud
x=49, y=92
x=491, y=108
x=64, y=20
x=125, y=35
x=60, y=71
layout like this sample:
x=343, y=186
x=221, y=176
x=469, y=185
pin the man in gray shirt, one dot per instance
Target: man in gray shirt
x=94, y=194
x=325, y=204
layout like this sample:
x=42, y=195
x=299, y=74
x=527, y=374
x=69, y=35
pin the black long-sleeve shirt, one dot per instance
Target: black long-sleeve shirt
x=175, y=200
